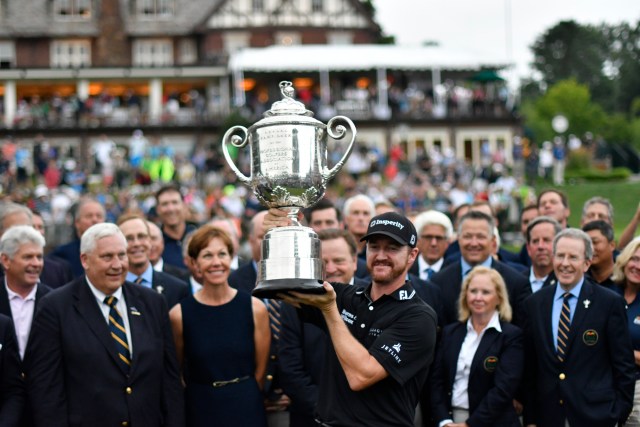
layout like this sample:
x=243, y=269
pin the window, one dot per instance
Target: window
x=70, y=54
x=72, y=9
x=287, y=38
x=7, y=54
x=340, y=37
x=188, y=51
x=257, y=5
x=317, y=5
x=236, y=41
x=155, y=8
x=152, y=53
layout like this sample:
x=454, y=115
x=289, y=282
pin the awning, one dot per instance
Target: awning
x=359, y=57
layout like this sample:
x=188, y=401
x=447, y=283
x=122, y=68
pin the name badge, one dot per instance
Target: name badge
x=490, y=363
x=590, y=337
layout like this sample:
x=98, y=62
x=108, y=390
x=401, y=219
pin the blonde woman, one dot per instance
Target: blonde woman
x=479, y=362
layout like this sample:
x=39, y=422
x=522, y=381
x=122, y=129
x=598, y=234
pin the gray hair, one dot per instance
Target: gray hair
x=10, y=208
x=477, y=215
x=433, y=217
x=598, y=200
x=17, y=236
x=96, y=232
x=544, y=219
x=359, y=197
x=575, y=234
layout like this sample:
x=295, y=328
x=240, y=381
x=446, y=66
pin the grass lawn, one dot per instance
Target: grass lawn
x=624, y=196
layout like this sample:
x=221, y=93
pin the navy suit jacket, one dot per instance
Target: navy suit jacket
x=173, y=290
x=70, y=253
x=302, y=351
x=430, y=293
x=594, y=386
x=73, y=371
x=177, y=272
x=56, y=272
x=496, y=371
x=12, y=390
x=244, y=278
x=449, y=279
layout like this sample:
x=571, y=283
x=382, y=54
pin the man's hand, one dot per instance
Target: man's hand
x=275, y=218
x=325, y=302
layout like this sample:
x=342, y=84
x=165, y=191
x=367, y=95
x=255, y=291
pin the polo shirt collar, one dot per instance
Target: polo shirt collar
x=405, y=292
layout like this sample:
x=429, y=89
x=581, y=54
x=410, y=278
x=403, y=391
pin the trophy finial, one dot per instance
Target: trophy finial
x=287, y=90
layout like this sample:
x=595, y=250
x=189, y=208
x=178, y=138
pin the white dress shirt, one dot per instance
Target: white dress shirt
x=536, y=284
x=423, y=266
x=121, y=306
x=22, y=314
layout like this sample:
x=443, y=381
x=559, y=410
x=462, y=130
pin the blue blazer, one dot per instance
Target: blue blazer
x=244, y=278
x=496, y=371
x=73, y=371
x=70, y=253
x=173, y=290
x=594, y=386
x=12, y=390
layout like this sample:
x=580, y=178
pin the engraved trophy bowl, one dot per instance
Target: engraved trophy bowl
x=289, y=171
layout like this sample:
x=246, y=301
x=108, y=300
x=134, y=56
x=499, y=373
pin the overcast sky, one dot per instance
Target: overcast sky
x=481, y=25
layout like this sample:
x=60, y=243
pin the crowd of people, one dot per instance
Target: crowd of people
x=425, y=319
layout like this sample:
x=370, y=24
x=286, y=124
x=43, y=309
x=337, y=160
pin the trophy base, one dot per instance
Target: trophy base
x=270, y=288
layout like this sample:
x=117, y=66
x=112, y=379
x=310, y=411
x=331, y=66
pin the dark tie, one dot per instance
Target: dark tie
x=563, y=327
x=118, y=332
x=273, y=307
x=429, y=272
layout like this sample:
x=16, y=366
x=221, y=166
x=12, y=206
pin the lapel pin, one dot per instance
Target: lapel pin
x=159, y=289
x=134, y=311
x=586, y=303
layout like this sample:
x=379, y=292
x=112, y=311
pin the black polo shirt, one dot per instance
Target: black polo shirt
x=399, y=330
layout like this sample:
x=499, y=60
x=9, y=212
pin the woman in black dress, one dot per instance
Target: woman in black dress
x=222, y=337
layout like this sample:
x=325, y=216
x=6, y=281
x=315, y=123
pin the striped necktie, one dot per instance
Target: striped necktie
x=118, y=332
x=563, y=327
x=138, y=280
x=273, y=307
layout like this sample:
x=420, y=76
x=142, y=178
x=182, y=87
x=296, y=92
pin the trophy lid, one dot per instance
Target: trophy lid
x=287, y=105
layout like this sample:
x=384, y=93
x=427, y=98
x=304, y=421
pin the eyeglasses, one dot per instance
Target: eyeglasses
x=429, y=237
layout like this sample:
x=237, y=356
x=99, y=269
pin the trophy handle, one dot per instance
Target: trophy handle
x=231, y=136
x=337, y=131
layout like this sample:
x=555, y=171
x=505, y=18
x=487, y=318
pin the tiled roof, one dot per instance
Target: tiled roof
x=33, y=18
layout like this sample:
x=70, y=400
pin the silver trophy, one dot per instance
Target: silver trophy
x=289, y=171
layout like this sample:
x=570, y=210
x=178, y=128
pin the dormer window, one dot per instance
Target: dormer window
x=155, y=8
x=72, y=9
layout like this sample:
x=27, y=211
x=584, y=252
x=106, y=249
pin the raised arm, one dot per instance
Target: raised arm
x=360, y=367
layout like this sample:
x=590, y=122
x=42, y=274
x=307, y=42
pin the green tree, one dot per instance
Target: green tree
x=571, y=99
x=623, y=64
x=571, y=50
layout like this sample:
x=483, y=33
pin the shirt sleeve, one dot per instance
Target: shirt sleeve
x=408, y=345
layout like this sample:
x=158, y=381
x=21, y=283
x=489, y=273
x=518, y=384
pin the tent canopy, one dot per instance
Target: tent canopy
x=359, y=57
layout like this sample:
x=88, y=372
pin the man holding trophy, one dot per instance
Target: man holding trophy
x=383, y=336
